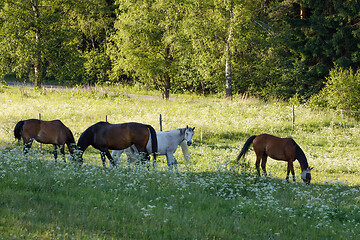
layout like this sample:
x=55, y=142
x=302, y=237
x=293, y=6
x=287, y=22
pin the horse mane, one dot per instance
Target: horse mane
x=18, y=129
x=182, y=131
x=245, y=147
x=300, y=155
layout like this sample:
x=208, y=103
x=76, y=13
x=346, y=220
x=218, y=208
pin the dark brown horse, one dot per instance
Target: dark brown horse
x=285, y=149
x=105, y=136
x=47, y=132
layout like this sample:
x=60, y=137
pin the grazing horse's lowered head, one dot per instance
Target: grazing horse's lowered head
x=306, y=175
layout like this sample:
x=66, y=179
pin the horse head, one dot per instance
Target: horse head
x=189, y=132
x=306, y=175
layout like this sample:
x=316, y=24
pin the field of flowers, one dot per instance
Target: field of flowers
x=210, y=197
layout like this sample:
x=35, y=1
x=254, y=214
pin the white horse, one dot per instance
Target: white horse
x=167, y=144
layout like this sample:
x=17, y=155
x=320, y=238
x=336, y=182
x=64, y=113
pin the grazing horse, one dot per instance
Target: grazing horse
x=105, y=136
x=47, y=132
x=285, y=149
x=167, y=144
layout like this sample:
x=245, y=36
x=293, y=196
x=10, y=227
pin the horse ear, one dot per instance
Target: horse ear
x=187, y=126
x=311, y=168
x=193, y=128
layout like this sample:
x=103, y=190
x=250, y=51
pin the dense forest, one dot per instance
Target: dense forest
x=267, y=48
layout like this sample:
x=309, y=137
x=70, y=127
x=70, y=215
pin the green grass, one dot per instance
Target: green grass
x=207, y=199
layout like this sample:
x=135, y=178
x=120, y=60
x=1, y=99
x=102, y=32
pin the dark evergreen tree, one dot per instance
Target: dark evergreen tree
x=326, y=34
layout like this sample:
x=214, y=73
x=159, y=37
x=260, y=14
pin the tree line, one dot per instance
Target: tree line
x=268, y=48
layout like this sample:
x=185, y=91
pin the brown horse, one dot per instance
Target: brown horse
x=285, y=149
x=47, y=132
x=105, y=136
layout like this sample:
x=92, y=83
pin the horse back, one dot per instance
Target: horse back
x=168, y=141
x=121, y=136
x=47, y=132
x=275, y=147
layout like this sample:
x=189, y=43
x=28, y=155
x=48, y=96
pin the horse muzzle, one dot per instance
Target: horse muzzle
x=189, y=143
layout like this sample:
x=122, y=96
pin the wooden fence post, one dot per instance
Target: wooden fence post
x=293, y=117
x=160, y=119
x=342, y=118
x=40, y=143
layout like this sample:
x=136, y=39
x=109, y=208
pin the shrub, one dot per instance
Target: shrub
x=341, y=91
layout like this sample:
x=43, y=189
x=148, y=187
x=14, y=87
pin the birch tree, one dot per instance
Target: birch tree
x=216, y=28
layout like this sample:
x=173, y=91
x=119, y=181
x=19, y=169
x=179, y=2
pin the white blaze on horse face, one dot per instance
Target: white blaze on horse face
x=305, y=173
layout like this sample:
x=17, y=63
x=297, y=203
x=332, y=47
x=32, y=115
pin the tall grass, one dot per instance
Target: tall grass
x=208, y=198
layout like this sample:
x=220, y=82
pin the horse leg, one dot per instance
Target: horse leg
x=171, y=161
x=257, y=164
x=263, y=164
x=116, y=154
x=145, y=158
x=132, y=154
x=55, y=152
x=290, y=168
x=103, y=159
x=112, y=161
x=27, y=146
x=62, y=151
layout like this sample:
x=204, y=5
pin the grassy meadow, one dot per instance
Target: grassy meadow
x=210, y=197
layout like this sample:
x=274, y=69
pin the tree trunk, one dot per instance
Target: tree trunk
x=228, y=72
x=302, y=11
x=166, y=87
x=37, y=61
x=166, y=83
x=228, y=84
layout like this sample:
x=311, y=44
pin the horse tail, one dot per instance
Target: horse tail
x=18, y=129
x=245, y=147
x=300, y=155
x=154, y=143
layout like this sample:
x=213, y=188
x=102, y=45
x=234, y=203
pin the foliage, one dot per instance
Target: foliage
x=97, y=67
x=271, y=49
x=54, y=38
x=341, y=91
x=147, y=41
x=327, y=34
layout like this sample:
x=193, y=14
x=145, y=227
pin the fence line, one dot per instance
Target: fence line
x=342, y=122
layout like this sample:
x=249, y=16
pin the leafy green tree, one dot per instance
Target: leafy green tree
x=94, y=20
x=60, y=40
x=147, y=41
x=341, y=91
x=36, y=40
x=218, y=31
